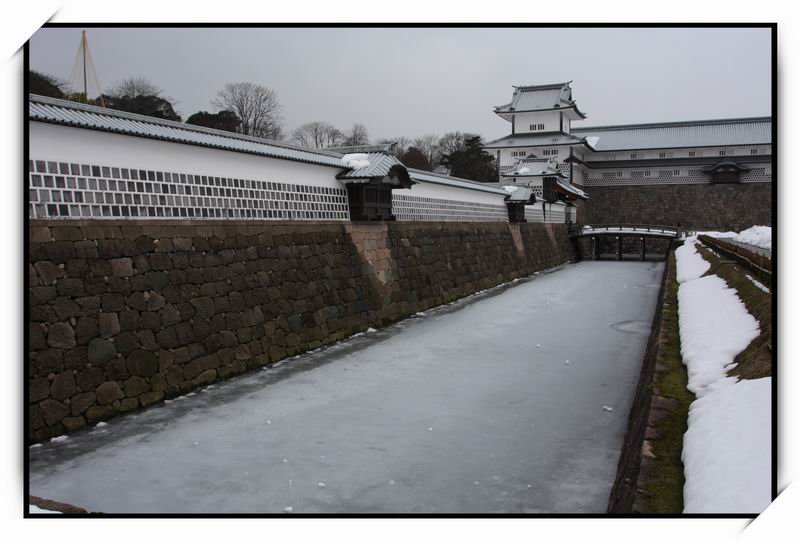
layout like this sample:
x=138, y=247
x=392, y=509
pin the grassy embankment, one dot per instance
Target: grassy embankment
x=662, y=477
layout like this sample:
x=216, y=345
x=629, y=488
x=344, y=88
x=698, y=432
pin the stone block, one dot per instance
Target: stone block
x=150, y=397
x=128, y=404
x=135, y=386
x=63, y=386
x=90, y=378
x=85, y=329
x=65, y=308
x=71, y=423
x=48, y=272
x=98, y=413
x=38, y=389
x=108, y=392
x=101, y=350
x=61, y=335
x=53, y=411
x=122, y=267
x=142, y=363
x=108, y=324
x=80, y=402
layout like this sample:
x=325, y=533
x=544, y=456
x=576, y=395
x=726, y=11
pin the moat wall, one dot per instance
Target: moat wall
x=123, y=314
x=694, y=206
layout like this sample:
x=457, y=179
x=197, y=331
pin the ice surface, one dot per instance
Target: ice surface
x=726, y=450
x=355, y=415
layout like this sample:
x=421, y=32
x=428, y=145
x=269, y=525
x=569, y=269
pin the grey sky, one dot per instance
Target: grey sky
x=401, y=81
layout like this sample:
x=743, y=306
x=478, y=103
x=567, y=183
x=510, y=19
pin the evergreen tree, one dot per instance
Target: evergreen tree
x=151, y=106
x=224, y=120
x=415, y=158
x=471, y=162
x=45, y=85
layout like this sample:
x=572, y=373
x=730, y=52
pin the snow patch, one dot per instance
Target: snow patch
x=60, y=438
x=510, y=188
x=523, y=170
x=757, y=284
x=690, y=264
x=356, y=160
x=714, y=327
x=608, y=408
x=592, y=141
x=759, y=236
x=33, y=509
x=726, y=450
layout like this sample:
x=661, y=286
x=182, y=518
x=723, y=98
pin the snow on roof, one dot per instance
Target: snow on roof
x=356, y=160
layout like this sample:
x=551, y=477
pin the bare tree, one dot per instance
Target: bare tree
x=317, y=135
x=132, y=87
x=402, y=144
x=452, y=142
x=428, y=145
x=256, y=106
x=358, y=135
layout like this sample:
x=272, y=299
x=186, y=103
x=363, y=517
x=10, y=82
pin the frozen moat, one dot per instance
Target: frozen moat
x=515, y=401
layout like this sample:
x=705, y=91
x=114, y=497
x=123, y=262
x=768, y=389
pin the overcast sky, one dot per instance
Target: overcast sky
x=405, y=81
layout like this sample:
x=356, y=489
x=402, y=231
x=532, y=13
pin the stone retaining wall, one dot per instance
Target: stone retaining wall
x=695, y=206
x=123, y=314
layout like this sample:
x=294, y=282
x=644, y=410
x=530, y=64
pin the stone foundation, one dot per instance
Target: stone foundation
x=695, y=206
x=123, y=314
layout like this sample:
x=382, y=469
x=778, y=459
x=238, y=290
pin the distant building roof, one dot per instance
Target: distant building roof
x=78, y=115
x=540, y=98
x=378, y=147
x=546, y=139
x=700, y=133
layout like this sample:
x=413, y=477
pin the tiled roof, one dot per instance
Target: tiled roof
x=379, y=165
x=436, y=178
x=91, y=117
x=534, y=140
x=572, y=189
x=378, y=147
x=540, y=98
x=522, y=193
x=701, y=133
x=535, y=167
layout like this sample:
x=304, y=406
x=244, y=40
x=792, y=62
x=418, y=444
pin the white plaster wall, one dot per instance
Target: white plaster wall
x=57, y=143
x=551, y=120
x=431, y=190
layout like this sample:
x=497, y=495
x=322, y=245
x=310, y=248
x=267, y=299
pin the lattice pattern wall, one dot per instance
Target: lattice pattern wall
x=663, y=175
x=62, y=190
x=553, y=214
x=406, y=207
